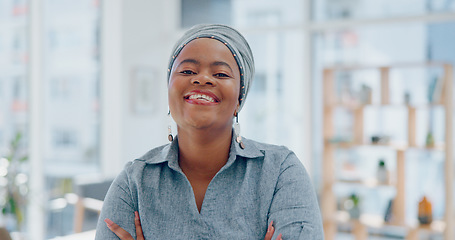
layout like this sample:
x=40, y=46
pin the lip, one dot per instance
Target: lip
x=199, y=101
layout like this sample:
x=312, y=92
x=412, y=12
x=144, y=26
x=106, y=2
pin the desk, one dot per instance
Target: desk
x=88, y=235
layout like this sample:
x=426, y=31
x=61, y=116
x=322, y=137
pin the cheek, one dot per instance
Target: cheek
x=176, y=84
x=234, y=94
x=171, y=84
x=172, y=93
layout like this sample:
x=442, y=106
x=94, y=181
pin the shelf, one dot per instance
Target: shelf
x=361, y=228
x=369, y=183
x=368, y=220
x=377, y=222
x=391, y=145
x=437, y=226
x=379, y=105
x=341, y=67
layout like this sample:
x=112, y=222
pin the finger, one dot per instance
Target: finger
x=270, y=231
x=137, y=222
x=120, y=232
x=279, y=237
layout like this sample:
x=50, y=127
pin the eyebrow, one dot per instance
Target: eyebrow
x=190, y=60
x=217, y=63
x=220, y=63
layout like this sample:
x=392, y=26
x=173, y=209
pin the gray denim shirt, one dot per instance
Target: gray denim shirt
x=258, y=184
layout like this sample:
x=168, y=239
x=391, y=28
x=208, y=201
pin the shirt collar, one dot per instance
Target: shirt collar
x=169, y=153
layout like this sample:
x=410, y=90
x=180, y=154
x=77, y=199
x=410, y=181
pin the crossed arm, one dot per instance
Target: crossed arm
x=294, y=207
x=124, y=235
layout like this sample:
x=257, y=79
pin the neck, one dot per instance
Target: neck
x=203, y=152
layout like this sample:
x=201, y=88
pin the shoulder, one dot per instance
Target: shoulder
x=271, y=152
x=266, y=146
x=154, y=156
x=278, y=161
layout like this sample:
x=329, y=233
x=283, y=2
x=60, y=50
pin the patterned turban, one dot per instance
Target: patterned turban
x=233, y=40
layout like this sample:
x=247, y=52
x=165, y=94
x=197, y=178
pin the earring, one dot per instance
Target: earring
x=169, y=130
x=238, y=138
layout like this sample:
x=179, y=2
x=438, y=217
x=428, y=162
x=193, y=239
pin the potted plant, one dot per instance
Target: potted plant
x=352, y=205
x=14, y=182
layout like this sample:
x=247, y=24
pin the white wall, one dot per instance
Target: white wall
x=149, y=30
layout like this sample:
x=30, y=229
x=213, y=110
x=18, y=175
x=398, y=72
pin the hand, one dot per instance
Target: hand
x=122, y=233
x=270, y=232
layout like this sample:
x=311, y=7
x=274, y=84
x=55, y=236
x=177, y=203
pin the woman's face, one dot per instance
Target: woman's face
x=204, y=86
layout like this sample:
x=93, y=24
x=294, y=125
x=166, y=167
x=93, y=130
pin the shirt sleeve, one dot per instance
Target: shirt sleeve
x=119, y=207
x=294, y=209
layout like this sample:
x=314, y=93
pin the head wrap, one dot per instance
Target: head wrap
x=233, y=40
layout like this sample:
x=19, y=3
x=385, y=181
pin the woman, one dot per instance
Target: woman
x=209, y=183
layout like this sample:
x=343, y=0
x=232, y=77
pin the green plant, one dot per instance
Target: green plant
x=355, y=199
x=12, y=174
x=352, y=206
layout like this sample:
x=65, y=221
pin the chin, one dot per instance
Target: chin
x=199, y=122
x=206, y=124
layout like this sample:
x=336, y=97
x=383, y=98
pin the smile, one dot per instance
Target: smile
x=204, y=98
x=201, y=97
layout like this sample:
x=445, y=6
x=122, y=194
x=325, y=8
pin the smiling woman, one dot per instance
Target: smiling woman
x=209, y=183
x=202, y=71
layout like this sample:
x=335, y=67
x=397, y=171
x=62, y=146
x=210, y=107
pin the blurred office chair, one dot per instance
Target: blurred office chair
x=89, y=195
x=4, y=235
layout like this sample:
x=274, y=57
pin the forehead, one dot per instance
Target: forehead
x=207, y=49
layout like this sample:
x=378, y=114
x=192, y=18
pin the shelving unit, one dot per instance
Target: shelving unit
x=359, y=227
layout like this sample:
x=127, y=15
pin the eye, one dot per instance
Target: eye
x=221, y=75
x=187, y=72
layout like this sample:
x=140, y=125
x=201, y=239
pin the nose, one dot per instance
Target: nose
x=203, y=79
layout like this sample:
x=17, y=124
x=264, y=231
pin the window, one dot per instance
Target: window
x=71, y=89
x=71, y=105
x=205, y=11
x=13, y=62
x=64, y=139
x=357, y=9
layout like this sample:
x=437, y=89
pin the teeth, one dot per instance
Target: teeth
x=201, y=96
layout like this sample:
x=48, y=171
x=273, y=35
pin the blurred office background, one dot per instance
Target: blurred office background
x=83, y=90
